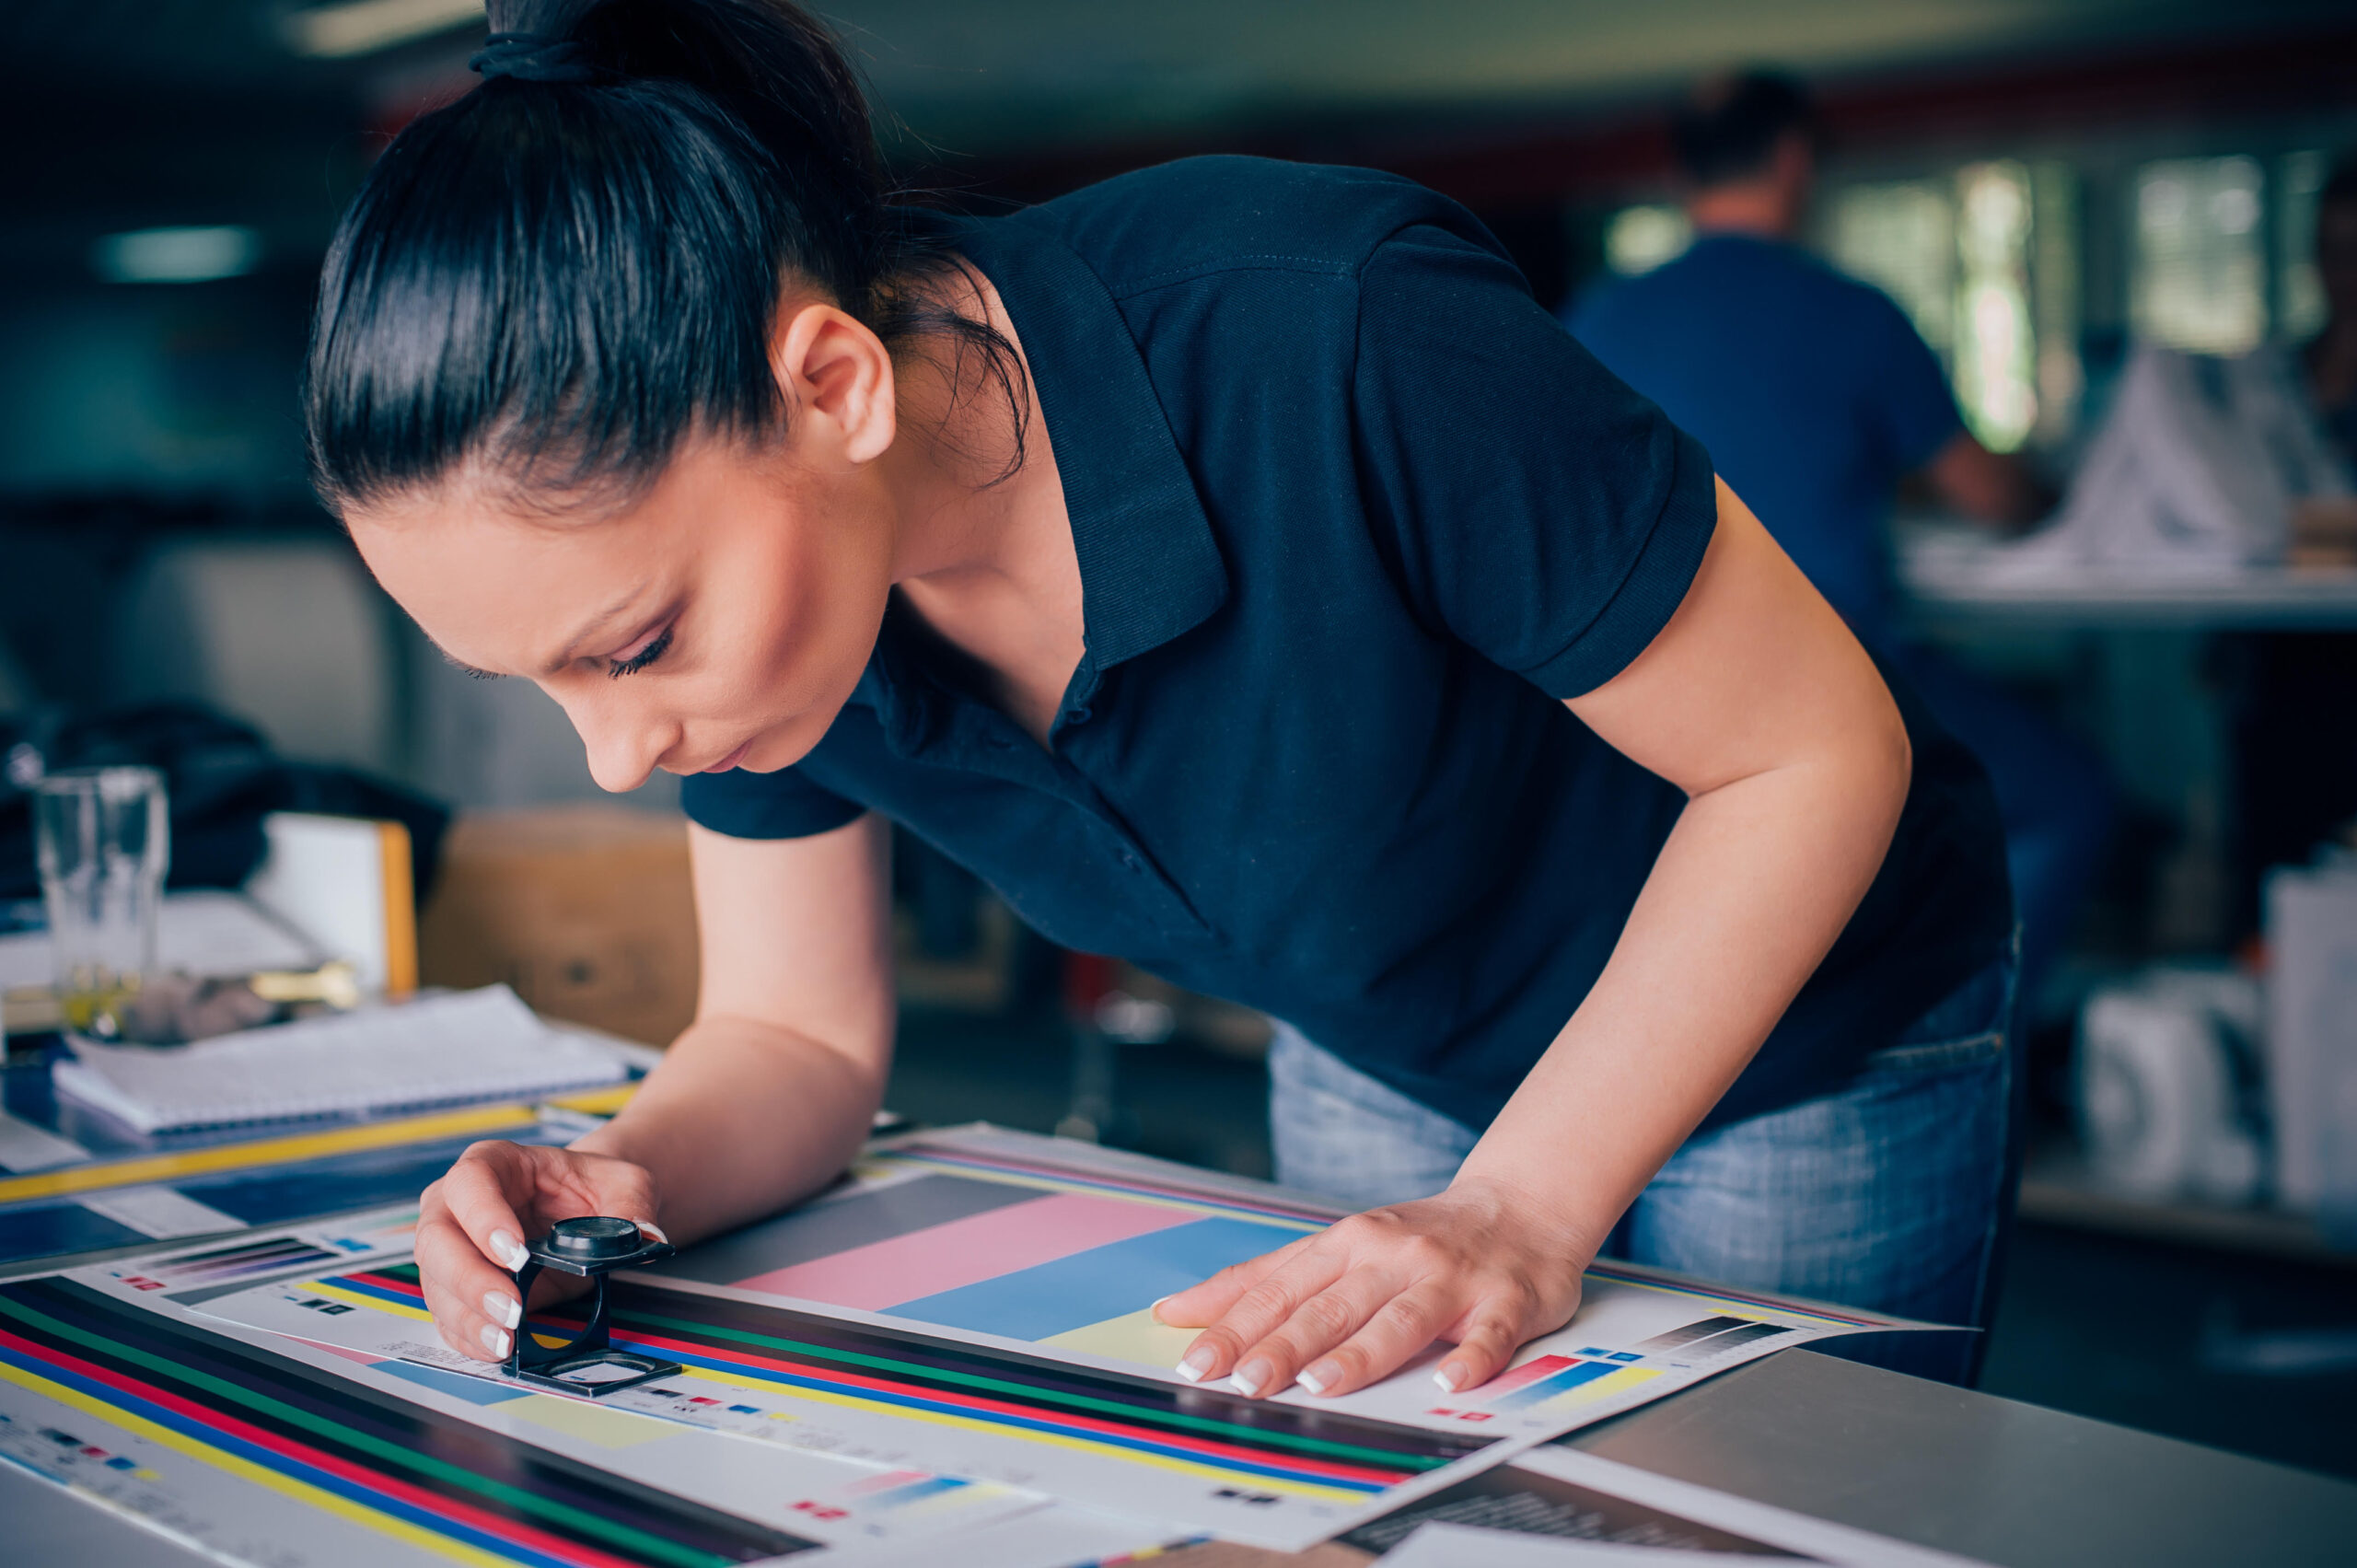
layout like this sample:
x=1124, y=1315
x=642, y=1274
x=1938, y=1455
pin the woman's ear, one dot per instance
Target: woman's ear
x=836, y=377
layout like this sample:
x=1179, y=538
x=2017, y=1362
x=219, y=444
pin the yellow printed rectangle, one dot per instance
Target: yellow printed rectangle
x=1138, y=1338
x=1604, y=1388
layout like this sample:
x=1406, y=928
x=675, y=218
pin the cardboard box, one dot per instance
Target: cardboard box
x=586, y=911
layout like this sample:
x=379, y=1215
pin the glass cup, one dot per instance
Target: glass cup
x=103, y=840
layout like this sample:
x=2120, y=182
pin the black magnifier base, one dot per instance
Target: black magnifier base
x=587, y=1364
x=599, y=1373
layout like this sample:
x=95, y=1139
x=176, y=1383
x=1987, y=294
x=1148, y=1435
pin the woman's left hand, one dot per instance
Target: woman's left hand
x=1477, y=1265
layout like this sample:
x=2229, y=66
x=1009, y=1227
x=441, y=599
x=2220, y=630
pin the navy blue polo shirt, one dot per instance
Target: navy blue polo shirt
x=1353, y=516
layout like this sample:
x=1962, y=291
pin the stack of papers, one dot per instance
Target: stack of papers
x=203, y=932
x=472, y=1045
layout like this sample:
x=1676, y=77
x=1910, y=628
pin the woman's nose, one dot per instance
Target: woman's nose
x=624, y=743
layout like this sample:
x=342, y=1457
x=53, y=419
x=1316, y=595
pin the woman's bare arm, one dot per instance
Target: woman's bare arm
x=770, y=1092
x=762, y=1100
x=1757, y=703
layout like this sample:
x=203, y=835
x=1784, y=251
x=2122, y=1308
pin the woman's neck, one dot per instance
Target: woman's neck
x=989, y=566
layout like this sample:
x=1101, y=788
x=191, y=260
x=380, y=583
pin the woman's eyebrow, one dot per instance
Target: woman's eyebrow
x=556, y=666
x=590, y=627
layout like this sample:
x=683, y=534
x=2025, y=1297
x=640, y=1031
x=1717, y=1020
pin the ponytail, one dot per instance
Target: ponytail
x=571, y=269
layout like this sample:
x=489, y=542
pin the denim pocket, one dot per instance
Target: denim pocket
x=1940, y=1056
x=1964, y=1028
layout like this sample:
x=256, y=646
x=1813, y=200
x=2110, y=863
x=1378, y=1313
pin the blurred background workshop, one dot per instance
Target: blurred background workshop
x=2117, y=238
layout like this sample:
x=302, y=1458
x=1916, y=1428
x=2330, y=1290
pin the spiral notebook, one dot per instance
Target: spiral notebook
x=471, y=1045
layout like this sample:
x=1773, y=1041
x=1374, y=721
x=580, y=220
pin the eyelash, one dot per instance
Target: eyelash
x=617, y=668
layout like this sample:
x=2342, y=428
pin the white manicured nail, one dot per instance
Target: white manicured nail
x=1251, y=1377
x=1446, y=1378
x=496, y=1341
x=1154, y=1309
x=502, y=1309
x=1311, y=1381
x=509, y=1251
x=1198, y=1362
x=651, y=1228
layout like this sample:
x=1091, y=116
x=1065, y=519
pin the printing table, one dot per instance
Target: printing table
x=1993, y=1479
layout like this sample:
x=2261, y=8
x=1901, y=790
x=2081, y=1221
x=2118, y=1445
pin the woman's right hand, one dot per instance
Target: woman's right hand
x=472, y=1223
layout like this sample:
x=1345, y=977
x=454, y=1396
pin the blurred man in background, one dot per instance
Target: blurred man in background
x=1817, y=397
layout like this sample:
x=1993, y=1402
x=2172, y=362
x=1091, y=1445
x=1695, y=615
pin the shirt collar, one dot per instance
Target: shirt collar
x=1149, y=568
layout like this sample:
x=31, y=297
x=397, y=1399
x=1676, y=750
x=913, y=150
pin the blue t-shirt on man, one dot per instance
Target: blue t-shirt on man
x=1812, y=392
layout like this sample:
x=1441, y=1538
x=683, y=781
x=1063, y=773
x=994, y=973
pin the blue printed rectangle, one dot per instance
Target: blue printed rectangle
x=1105, y=1282
x=1554, y=1383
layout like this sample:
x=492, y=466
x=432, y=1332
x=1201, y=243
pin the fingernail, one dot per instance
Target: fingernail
x=1155, y=1309
x=509, y=1251
x=502, y=1309
x=496, y=1341
x=1198, y=1362
x=651, y=1228
x=1317, y=1378
x=1446, y=1378
x=1253, y=1376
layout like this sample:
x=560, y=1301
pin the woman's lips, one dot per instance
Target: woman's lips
x=731, y=760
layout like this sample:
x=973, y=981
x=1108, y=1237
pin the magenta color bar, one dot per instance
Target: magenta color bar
x=1530, y=1371
x=966, y=1251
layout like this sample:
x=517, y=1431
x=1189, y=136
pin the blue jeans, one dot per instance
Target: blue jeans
x=1892, y=1191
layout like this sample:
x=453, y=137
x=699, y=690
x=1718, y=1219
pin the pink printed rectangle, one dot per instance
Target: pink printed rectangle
x=964, y=1252
x=1530, y=1371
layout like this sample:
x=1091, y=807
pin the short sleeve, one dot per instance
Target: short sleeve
x=1911, y=406
x=1549, y=516
x=783, y=805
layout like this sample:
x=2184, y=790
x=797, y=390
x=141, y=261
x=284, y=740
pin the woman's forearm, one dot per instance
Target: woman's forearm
x=741, y=1119
x=1755, y=883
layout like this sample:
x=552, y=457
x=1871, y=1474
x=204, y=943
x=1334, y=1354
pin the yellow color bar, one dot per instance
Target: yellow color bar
x=483, y=1118
x=597, y=1102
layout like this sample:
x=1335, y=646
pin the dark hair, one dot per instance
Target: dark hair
x=1729, y=128
x=561, y=274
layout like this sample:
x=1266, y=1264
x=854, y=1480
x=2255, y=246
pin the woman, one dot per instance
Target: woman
x=1232, y=565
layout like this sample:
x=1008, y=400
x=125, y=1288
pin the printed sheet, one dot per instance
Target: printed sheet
x=975, y=1305
x=256, y=1448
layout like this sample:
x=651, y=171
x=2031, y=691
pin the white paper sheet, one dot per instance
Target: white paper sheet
x=160, y=1212
x=24, y=1147
x=1462, y=1546
x=1565, y=1486
x=200, y=931
x=471, y=1045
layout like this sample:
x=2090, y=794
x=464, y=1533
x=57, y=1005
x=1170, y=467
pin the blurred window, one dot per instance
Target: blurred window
x=1996, y=347
x=1638, y=239
x=2299, y=292
x=2056, y=278
x=2198, y=267
x=1986, y=263
x=1900, y=237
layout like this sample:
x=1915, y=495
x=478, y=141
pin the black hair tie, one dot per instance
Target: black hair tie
x=534, y=57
